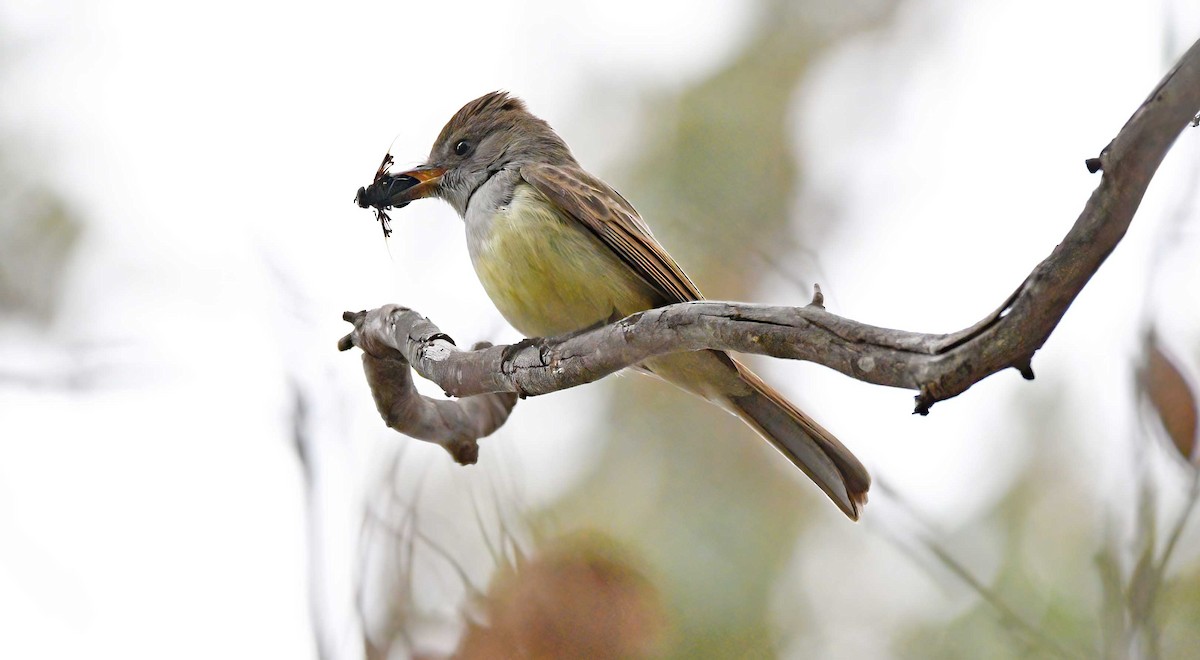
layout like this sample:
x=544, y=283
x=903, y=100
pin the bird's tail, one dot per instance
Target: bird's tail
x=813, y=449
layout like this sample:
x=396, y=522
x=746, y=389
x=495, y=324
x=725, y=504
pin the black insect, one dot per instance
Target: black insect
x=385, y=187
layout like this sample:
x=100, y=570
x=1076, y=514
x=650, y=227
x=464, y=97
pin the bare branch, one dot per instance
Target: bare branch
x=455, y=425
x=939, y=366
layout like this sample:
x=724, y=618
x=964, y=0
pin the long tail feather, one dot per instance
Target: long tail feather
x=813, y=449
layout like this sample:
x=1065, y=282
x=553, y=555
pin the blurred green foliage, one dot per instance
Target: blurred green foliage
x=38, y=234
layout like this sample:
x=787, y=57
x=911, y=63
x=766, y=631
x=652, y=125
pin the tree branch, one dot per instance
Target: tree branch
x=455, y=425
x=939, y=366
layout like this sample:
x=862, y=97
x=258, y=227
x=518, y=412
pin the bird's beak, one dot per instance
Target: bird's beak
x=427, y=178
x=397, y=190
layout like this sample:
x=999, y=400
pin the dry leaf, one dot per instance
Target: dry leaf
x=1173, y=399
x=578, y=597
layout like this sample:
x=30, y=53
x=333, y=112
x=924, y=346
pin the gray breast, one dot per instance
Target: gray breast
x=488, y=199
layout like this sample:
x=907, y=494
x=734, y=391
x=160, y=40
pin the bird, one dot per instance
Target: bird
x=559, y=251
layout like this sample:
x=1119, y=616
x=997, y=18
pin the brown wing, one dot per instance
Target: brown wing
x=605, y=213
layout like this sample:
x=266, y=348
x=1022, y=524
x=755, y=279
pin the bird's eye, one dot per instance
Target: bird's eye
x=463, y=147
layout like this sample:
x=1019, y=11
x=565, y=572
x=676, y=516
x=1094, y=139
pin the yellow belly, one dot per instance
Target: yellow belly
x=547, y=274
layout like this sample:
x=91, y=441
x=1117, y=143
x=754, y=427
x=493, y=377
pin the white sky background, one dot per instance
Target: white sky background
x=214, y=149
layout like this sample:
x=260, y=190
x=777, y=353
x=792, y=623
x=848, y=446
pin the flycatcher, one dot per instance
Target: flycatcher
x=558, y=250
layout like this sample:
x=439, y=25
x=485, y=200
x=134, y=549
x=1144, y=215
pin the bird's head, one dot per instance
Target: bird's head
x=488, y=135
